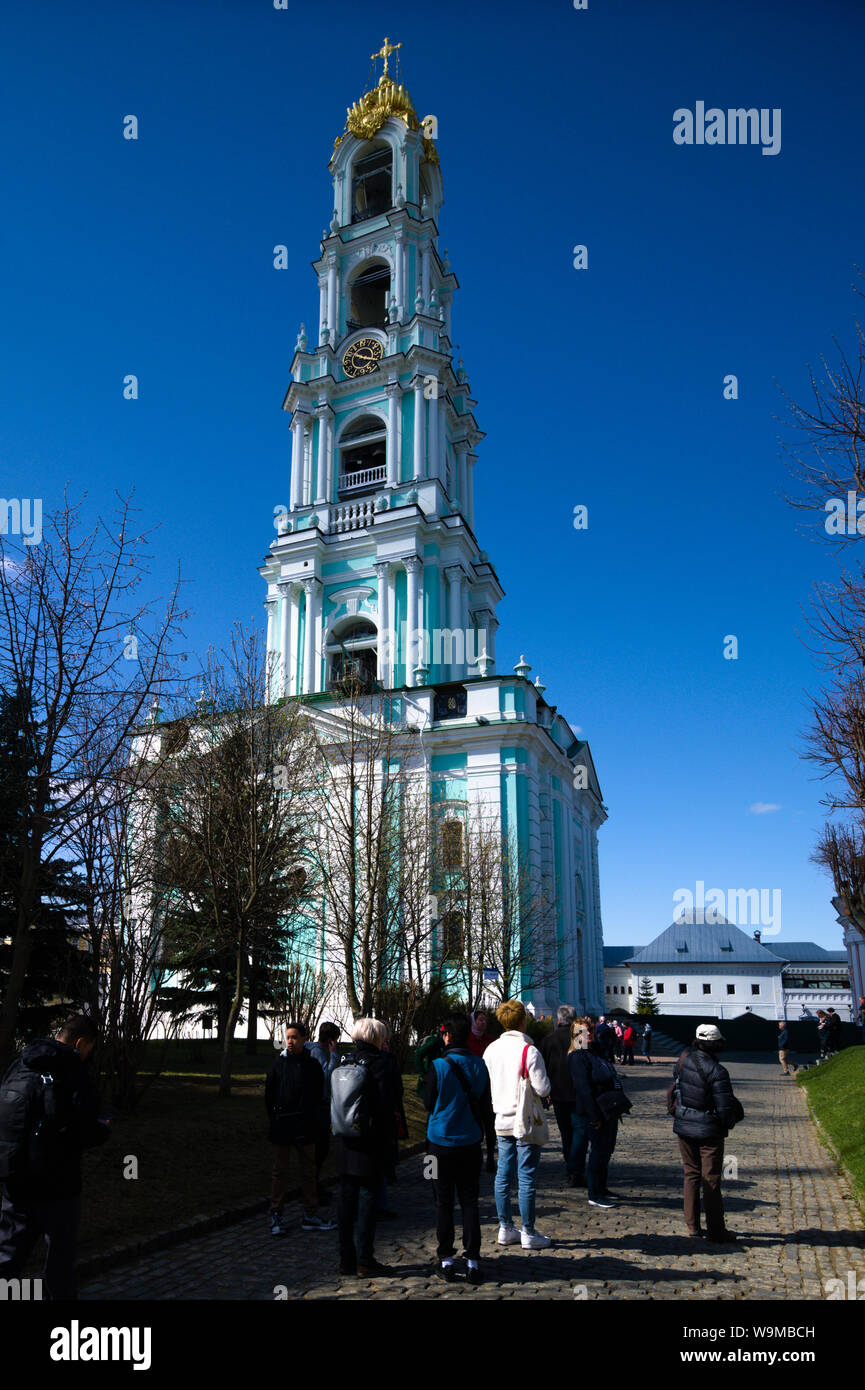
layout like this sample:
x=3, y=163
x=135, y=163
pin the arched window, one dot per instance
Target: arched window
x=352, y=657
x=452, y=844
x=452, y=936
x=369, y=297
x=363, y=456
x=372, y=182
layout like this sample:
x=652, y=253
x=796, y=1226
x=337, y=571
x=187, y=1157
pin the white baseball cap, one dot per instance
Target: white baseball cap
x=707, y=1032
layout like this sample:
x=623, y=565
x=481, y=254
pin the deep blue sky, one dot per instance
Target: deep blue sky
x=601, y=387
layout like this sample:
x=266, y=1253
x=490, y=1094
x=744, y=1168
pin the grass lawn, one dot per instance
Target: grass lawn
x=197, y=1153
x=836, y=1096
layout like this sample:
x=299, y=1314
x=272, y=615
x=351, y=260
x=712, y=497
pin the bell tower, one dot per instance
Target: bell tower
x=376, y=575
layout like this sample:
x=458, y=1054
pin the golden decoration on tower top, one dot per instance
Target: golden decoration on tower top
x=389, y=98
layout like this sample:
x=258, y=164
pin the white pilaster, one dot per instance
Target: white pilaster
x=322, y=415
x=399, y=287
x=419, y=422
x=322, y=307
x=272, y=650
x=394, y=396
x=294, y=675
x=298, y=423
x=312, y=588
x=434, y=469
x=332, y=300
x=454, y=577
x=385, y=645
x=284, y=636
x=412, y=567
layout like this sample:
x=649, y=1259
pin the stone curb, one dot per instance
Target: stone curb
x=201, y=1225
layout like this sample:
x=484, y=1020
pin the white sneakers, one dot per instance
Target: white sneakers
x=529, y=1240
x=533, y=1240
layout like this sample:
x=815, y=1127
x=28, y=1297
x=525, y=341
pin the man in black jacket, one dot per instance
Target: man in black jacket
x=49, y=1112
x=706, y=1111
x=293, y=1095
x=554, y=1050
x=371, y=1157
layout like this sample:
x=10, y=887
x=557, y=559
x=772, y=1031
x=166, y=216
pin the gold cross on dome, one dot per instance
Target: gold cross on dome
x=385, y=51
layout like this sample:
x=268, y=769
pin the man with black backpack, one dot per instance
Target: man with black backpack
x=48, y=1116
x=458, y=1098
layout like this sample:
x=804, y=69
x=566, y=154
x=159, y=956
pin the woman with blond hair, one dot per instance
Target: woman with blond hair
x=505, y=1060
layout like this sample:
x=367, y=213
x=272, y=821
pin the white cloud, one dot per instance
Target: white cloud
x=762, y=808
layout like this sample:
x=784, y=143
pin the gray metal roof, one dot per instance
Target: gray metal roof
x=805, y=951
x=615, y=955
x=709, y=938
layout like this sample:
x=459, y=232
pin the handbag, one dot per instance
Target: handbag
x=612, y=1102
x=530, y=1122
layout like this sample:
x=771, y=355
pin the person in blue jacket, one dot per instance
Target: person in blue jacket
x=457, y=1097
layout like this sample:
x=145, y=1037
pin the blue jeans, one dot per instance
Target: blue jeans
x=519, y=1160
x=579, y=1145
x=601, y=1143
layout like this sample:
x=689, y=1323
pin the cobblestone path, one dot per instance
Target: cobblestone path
x=797, y=1220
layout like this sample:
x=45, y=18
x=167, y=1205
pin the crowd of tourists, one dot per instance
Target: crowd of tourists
x=486, y=1100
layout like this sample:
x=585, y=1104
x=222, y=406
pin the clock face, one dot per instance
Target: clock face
x=363, y=356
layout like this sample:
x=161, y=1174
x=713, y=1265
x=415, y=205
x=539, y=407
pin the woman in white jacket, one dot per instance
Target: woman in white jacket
x=517, y=1158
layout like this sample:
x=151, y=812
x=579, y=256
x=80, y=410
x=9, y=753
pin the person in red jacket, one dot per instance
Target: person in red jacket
x=628, y=1045
x=479, y=1041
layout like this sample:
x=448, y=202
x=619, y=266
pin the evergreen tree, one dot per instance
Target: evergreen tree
x=59, y=970
x=646, y=1001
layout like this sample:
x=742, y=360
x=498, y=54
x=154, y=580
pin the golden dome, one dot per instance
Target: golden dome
x=387, y=99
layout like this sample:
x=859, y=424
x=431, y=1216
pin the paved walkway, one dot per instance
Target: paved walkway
x=798, y=1222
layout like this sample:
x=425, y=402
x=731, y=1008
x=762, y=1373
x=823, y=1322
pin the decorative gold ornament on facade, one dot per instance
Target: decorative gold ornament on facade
x=366, y=118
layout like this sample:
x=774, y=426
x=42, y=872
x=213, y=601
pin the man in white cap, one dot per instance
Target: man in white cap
x=705, y=1112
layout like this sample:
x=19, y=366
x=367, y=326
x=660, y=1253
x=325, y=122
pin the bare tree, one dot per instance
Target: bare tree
x=496, y=924
x=85, y=655
x=226, y=812
x=370, y=862
x=826, y=455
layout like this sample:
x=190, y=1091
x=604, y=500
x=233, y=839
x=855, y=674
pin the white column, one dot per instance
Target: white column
x=330, y=485
x=284, y=637
x=412, y=567
x=297, y=427
x=460, y=499
x=424, y=275
x=419, y=422
x=454, y=576
x=394, y=395
x=434, y=469
x=272, y=652
x=322, y=415
x=331, y=300
x=312, y=589
x=294, y=677
x=322, y=307
x=469, y=513
x=398, y=278
x=391, y=608
x=385, y=643
x=307, y=463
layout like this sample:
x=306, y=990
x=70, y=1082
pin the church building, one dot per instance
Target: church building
x=377, y=575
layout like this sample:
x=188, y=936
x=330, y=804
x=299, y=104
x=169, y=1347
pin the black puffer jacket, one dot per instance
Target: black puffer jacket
x=554, y=1050
x=55, y=1164
x=293, y=1095
x=707, y=1107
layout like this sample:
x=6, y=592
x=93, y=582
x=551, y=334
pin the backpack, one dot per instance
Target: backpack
x=351, y=1115
x=28, y=1123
